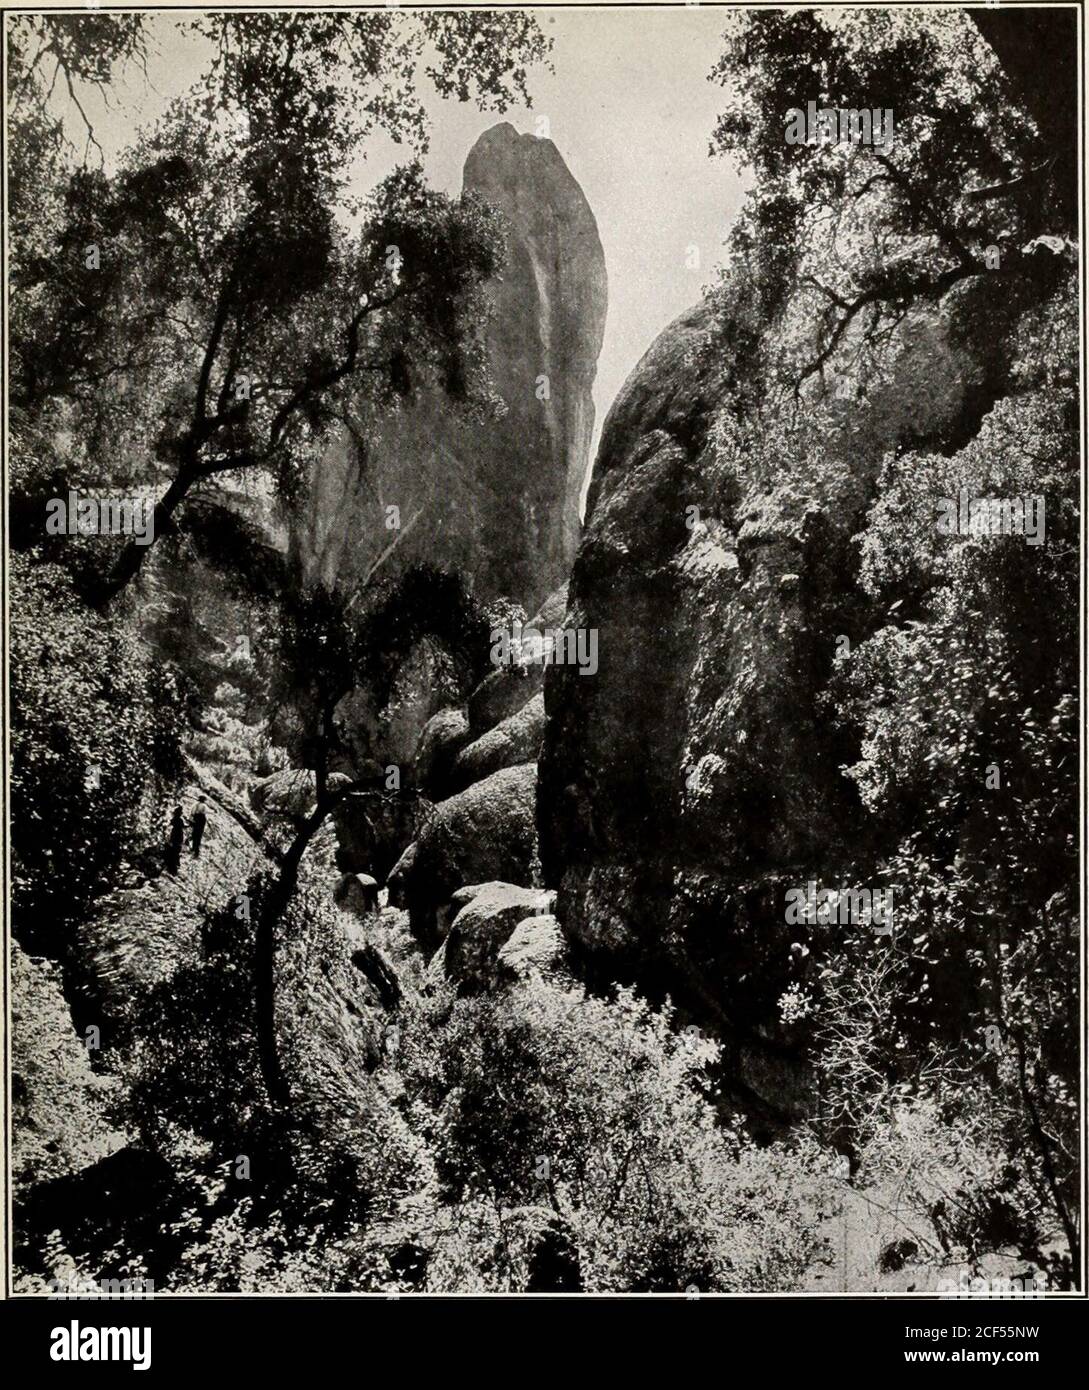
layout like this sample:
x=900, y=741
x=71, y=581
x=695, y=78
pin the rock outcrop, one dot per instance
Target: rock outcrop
x=445, y=735
x=514, y=740
x=498, y=501
x=696, y=775
x=486, y=832
x=357, y=894
x=502, y=694
x=479, y=767
x=486, y=916
x=535, y=947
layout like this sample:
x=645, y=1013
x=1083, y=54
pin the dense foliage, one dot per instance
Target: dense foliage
x=915, y=340
x=96, y=725
x=595, y=1119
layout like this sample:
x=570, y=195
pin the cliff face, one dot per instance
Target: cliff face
x=549, y=321
x=500, y=499
x=646, y=811
x=697, y=775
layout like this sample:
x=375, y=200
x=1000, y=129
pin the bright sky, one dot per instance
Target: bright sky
x=631, y=110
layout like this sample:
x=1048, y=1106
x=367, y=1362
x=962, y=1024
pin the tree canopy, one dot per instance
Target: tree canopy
x=213, y=304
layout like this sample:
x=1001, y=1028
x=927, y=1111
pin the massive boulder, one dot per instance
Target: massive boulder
x=499, y=501
x=536, y=947
x=696, y=775
x=484, y=833
x=515, y=740
x=443, y=738
x=503, y=693
x=357, y=894
x=487, y=915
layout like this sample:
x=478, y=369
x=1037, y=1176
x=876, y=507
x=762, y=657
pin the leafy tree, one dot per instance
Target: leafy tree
x=964, y=707
x=424, y=601
x=208, y=299
x=858, y=234
x=70, y=54
x=214, y=304
x=902, y=324
x=322, y=652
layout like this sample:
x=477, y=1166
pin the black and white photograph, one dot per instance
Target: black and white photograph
x=544, y=669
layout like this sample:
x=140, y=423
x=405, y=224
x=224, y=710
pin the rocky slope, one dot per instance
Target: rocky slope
x=477, y=771
x=500, y=500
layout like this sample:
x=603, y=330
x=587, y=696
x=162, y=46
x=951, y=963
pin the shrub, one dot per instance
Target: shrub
x=85, y=696
x=599, y=1113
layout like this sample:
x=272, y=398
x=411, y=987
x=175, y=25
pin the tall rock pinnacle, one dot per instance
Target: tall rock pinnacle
x=500, y=500
x=549, y=322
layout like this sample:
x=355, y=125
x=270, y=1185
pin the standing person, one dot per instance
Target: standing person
x=175, y=841
x=200, y=820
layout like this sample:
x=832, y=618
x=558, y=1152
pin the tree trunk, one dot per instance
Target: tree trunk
x=272, y=909
x=134, y=554
x=325, y=743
